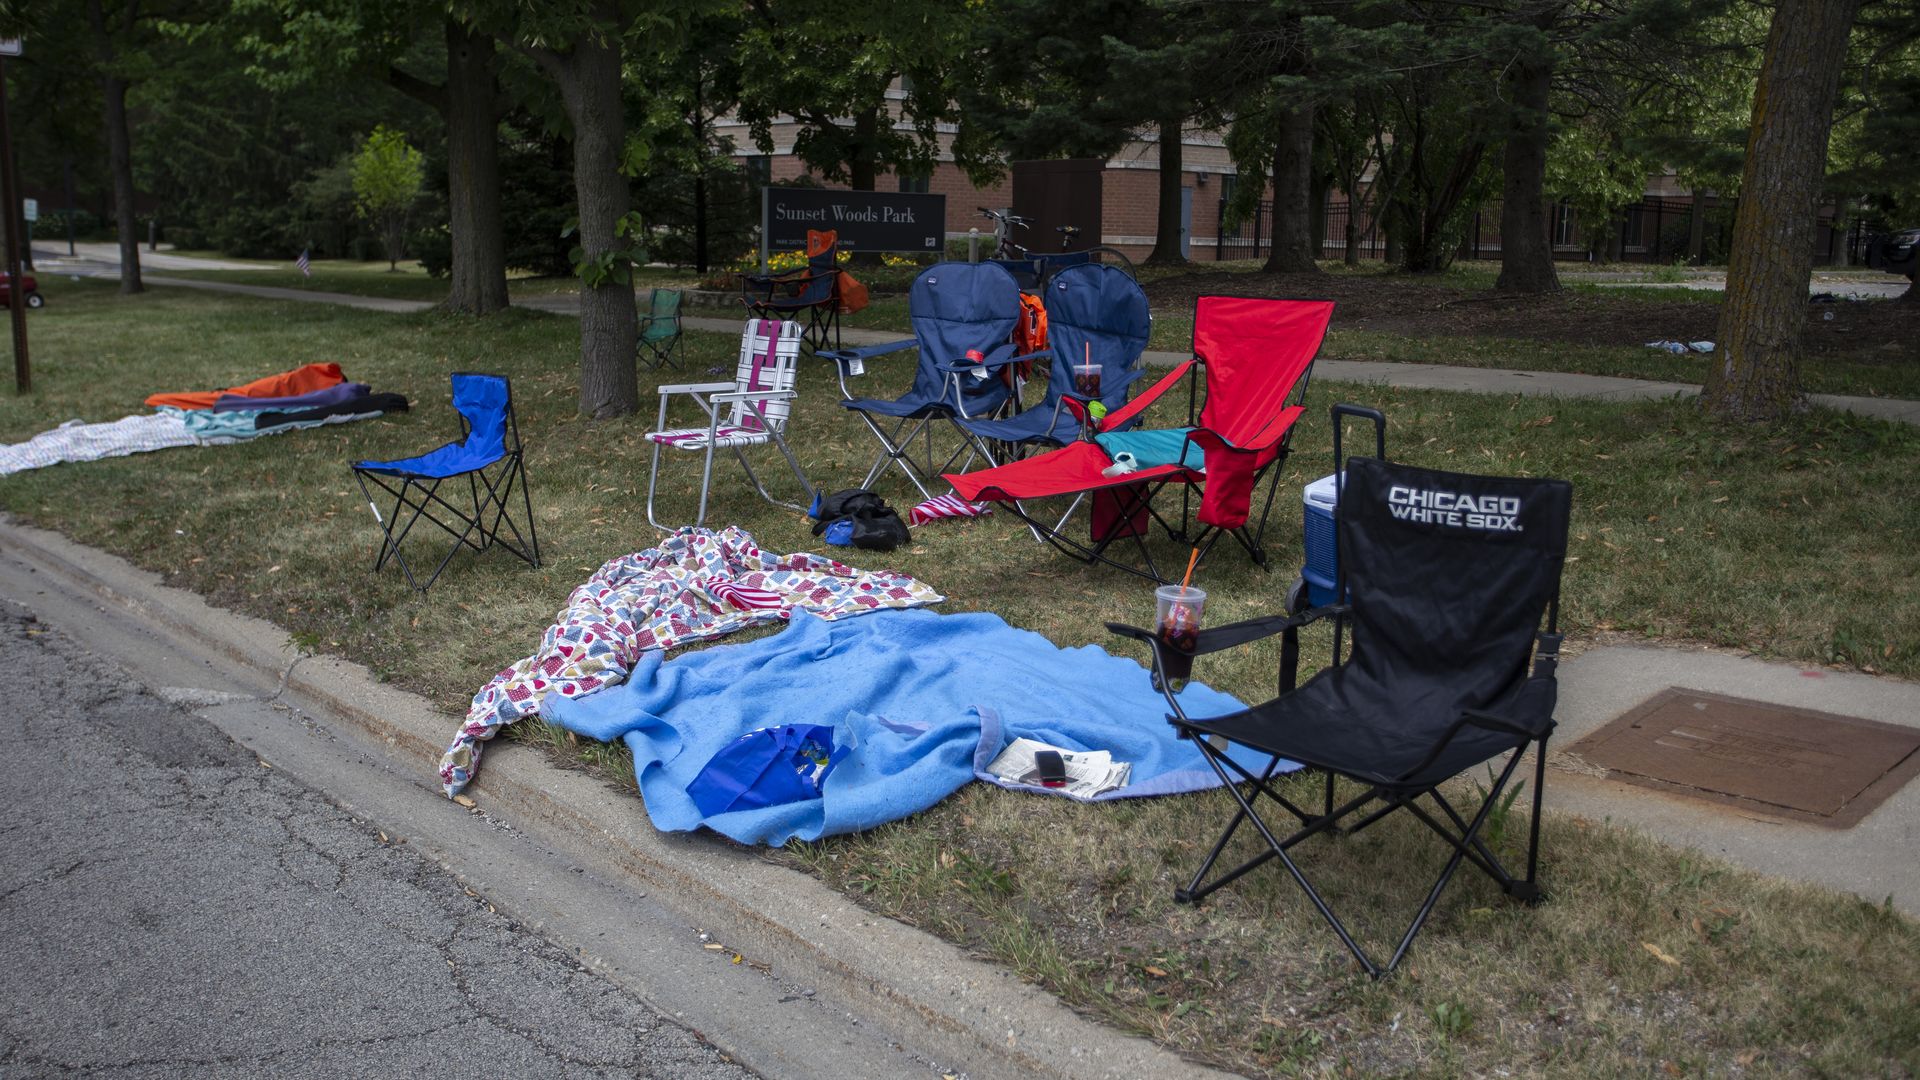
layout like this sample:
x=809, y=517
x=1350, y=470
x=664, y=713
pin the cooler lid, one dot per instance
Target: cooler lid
x=1322, y=493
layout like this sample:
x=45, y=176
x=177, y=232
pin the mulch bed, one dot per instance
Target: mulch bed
x=1878, y=329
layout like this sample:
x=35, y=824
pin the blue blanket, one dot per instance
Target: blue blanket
x=926, y=701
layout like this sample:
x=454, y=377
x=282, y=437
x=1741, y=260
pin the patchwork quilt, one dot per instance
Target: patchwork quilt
x=697, y=585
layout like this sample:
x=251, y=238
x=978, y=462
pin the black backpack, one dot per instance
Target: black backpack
x=873, y=524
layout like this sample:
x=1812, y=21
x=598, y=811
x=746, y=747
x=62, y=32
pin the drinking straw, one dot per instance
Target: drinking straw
x=1191, y=559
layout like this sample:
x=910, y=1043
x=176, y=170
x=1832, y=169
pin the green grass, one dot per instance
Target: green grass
x=1797, y=543
x=409, y=282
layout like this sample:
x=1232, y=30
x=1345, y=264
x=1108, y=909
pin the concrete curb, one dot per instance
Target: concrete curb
x=922, y=989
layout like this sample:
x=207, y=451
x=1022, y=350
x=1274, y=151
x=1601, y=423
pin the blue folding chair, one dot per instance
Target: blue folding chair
x=488, y=455
x=1097, y=328
x=955, y=308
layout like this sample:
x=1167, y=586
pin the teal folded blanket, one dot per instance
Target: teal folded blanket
x=1161, y=446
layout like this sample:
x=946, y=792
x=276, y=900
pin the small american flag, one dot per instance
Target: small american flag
x=305, y=265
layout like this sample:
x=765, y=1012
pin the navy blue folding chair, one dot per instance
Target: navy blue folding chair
x=488, y=456
x=956, y=308
x=1097, y=328
x=813, y=292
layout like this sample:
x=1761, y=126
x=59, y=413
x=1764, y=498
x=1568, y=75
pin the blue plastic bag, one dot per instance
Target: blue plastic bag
x=768, y=767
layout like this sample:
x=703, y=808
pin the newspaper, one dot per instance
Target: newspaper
x=1089, y=772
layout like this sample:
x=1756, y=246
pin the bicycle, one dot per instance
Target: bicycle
x=1032, y=270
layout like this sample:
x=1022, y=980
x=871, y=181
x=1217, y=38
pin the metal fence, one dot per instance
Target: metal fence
x=1655, y=230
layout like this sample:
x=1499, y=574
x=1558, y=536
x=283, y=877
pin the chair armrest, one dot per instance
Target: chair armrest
x=1001, y=356
x=1123, y=416
x=756, y=395
x=783, y=276
x=1233, y=635
x=696, y=388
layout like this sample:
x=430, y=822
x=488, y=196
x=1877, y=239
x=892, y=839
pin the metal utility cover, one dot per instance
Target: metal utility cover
x=1797, y=763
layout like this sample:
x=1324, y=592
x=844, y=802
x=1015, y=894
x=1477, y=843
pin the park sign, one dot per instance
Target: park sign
x=865, y=220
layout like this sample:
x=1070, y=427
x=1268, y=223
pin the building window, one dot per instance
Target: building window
x=1227, y=184
x=759, y=171
x=915, y=184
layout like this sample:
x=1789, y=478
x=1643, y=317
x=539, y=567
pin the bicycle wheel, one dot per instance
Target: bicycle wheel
x=1112, y=257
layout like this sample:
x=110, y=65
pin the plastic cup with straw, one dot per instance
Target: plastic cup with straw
x=1177, y=615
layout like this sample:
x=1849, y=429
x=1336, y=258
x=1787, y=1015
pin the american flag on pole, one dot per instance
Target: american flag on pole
x=305, y=265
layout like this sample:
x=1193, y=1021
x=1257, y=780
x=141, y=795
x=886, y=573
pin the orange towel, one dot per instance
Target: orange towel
x=301, y=380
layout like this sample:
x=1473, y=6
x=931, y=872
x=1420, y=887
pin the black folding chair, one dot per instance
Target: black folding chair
x=488, y=456
x=1446, y=578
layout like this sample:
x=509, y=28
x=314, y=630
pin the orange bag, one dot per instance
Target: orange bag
x=300, y=380
x=1031, y=333
x=853, y=295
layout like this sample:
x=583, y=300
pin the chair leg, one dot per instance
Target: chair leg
x=1529, y=891
x=526, y=500
x=706, y=481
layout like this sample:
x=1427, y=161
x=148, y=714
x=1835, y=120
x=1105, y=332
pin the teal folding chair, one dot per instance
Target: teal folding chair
x=660, y=329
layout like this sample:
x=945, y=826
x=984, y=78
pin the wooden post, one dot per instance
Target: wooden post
x=16, y=283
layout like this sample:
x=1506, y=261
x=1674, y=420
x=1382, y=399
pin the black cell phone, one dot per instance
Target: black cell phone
x=1053, y=771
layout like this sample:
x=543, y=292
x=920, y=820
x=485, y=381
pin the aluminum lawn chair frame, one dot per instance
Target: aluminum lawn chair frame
x=757, y=403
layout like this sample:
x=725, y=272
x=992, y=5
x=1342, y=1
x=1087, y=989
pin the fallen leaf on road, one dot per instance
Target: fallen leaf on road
x=1158, y=973
x=465, y=801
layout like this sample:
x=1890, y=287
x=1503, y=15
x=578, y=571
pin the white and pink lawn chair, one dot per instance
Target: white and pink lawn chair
x=756, y=405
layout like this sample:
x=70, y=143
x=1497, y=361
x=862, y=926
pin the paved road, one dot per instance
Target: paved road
x=175, y=907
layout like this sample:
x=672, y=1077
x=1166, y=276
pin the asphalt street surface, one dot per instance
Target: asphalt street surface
x=174, y=906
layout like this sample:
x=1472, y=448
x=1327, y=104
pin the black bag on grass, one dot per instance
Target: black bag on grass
x=859, y=517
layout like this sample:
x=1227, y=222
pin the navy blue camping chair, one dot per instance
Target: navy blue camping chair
x=1452, y=599
x=1097, y=328
x=488, y=456
x=813, y=292
x=955, y=308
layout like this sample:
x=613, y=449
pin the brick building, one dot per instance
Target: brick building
x=1127, y=194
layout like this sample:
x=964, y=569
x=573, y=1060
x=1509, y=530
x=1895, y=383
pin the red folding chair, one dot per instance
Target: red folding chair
x=1256, y=356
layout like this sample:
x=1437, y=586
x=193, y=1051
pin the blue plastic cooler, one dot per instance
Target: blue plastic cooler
x=1323, y=562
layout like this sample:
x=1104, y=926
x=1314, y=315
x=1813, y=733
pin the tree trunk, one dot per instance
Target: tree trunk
x=1756, y=376
x=1352, y=256
x=119, y=149
x=1166, y=237
x=479, y=261
x=863, y=171
x=589, y=80
x=1292, y=251
x=1526, y=255
x=699, y=175
x=1697, y=229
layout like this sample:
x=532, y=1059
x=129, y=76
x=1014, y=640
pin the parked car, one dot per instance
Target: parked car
x=1895, y=252
x=34, y=299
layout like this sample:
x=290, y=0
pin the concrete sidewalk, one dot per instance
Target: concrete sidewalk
x=1441, y=376
x=1410, y=376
